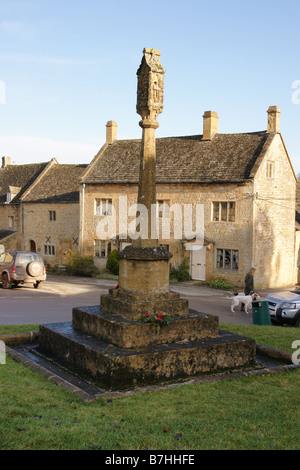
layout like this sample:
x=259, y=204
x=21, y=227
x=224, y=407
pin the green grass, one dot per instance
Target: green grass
x=8, y=329
x=277, y=337
x=247, y=413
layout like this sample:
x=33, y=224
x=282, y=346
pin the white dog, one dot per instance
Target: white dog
x=243, y=299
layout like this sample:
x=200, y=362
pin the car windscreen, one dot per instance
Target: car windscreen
x=28, y=258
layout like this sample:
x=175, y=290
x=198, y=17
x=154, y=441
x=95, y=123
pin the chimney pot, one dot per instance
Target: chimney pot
x=210, y=124
x=273, y=119
x=6, y=161
x=111, y=132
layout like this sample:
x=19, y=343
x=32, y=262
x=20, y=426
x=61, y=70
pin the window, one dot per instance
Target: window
x=223, y=211
x=163, y=208
x=103, y=207
x=270, y=170
x=49, y=250
x=8, y=258
x=25, y=258
x=227, y=259
x=102, y=248
x=52, y=216
x=11, y=193
x=10, y=221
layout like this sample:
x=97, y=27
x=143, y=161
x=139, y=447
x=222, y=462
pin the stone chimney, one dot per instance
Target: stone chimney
x=273, y=119
x=210, y=124
x=6, y=161
x=111, y=132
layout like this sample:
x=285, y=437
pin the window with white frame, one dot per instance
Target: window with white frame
x=227, y=259
x=102, y=248
x=103, y=207
x=11, y=222
x=223, y=211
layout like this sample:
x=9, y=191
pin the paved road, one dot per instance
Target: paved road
x=54, y=300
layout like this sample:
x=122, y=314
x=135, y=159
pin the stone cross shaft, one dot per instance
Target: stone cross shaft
x=150, y=95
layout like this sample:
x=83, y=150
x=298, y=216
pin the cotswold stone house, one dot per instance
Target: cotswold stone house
x=14, y=182
x=41, y=203
x=245, y=183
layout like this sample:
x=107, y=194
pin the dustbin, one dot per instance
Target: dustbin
x=260, y=312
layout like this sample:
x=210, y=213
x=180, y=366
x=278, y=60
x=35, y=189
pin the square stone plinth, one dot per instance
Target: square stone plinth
x=116, y=368
x=133, y=307
x=130, y=334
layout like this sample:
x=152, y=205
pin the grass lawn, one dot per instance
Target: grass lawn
x=249, y=413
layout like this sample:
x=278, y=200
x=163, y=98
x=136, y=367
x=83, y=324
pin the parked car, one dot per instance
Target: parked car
x=21, y=267
x=284, y=308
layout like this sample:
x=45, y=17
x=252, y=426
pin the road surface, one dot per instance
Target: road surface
x=54, y=300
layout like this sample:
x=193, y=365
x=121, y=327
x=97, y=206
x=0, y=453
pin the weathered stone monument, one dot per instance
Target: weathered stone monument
x=144, y=266
x=112, y=343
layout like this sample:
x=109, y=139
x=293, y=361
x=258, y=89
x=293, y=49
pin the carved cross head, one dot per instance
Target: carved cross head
x=150, y=91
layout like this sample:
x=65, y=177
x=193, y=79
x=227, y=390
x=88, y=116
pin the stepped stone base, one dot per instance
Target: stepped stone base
x=116, y=368
x=112, y=346
x=132, y=334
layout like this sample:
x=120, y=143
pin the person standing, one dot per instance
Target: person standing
x=249, y=282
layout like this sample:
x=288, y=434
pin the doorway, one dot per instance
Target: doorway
x=198, y=263
x=32, y=245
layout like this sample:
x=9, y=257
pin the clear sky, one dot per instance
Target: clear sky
x=69, y=66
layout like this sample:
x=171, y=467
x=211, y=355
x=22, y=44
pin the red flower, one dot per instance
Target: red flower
x=159, y=319
x=147, y=315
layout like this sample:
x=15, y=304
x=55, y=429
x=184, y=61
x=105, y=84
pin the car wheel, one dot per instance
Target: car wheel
x=297, y=322
x=5, y=282
x=36, y=284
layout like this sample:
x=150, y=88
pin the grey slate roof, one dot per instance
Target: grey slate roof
x=6, y=233
x=59, y=184
x=228, y=158
x=21, y=176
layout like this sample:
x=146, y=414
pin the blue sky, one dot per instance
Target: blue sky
x=67, y=67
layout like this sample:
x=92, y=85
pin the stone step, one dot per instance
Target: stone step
x=130, y=334
x=115, y=368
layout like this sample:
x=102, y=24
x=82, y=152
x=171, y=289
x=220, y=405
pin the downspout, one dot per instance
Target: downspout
x=82, y=218
x=22, y=227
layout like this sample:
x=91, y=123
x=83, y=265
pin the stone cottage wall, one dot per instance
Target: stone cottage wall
x=235, y=235
x=274, y=220
x=61, y=233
